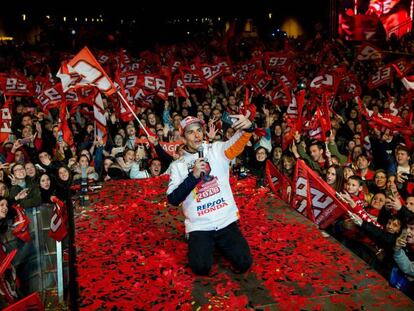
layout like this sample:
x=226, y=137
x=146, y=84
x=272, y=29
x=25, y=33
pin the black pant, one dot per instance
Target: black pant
x=228, y=240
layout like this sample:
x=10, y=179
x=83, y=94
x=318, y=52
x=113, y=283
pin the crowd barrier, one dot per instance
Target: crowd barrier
x=40, y=264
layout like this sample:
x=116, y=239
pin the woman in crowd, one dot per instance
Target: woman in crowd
x=63, y=184
x=335, y=177
x=47, y=189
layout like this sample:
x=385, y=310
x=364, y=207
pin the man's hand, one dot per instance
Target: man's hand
x=212, y=131
x=401, y=240
x=355, y=218
x=393, y=202
x=242, y=123
x=401, y=178
x=153, y=140
x=199, y=167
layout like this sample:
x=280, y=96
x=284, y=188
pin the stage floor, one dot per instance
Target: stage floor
x=132, y=255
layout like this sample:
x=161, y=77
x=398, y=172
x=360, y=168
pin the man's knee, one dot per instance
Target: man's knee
x=243, y=264
x=200, y=268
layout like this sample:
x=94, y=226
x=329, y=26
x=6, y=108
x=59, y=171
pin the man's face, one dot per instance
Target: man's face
x=402, y=157
x=27, y=120
x=316, y=153
x=193, y=135
x=206, y=110
x=393, y=226
x=362, y=163
x=155, y=168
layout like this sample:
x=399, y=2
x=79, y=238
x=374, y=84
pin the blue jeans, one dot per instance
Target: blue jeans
x=229, y=241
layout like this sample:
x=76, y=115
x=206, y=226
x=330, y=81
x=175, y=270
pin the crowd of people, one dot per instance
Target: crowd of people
x=371, y=166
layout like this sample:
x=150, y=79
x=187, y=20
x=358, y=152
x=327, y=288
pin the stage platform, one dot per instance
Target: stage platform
x=131, y=255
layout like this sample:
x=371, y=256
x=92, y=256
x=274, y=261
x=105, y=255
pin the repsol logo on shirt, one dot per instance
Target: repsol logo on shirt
x=211, y=207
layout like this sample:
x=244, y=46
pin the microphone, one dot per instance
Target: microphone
x=201, y=155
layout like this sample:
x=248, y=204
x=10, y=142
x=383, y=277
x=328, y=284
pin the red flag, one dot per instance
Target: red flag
x=159, y=84
x=276, y=61
x=407, y=81
x=324, y=83
x=179, y=88
x=279, y=183
x=5, y=124
x=91, y=72
x=7, y=261
x=31, y=302
x=293, y=118
x=367, y=51
x=382, y=76
x=8, y=280
x=122, y=111
x=63, y=122
x=100, y=119
x=314, y=198
x=21, y=224
x=192, y=79
x=58, y=222
x=15, y=85
x=247, y=108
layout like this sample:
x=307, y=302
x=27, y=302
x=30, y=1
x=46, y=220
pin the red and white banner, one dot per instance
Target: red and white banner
x=158, y=84
x=89, y=72
x=58, y=222
x=169, y=147
x=276, y=61
x=325, y=83
x=192, y=79
x=367, y=51
x=279, y=183
x=314, y=198
x=259, y=80
x=15, y=85
x=407, y=81
x=99, y=115
x=382, y=76
x=179, y=88
x=5, y=124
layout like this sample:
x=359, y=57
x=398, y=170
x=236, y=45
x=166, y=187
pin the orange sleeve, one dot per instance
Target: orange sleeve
x=235, y=149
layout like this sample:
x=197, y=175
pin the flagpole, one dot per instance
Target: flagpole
x=133, y=113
